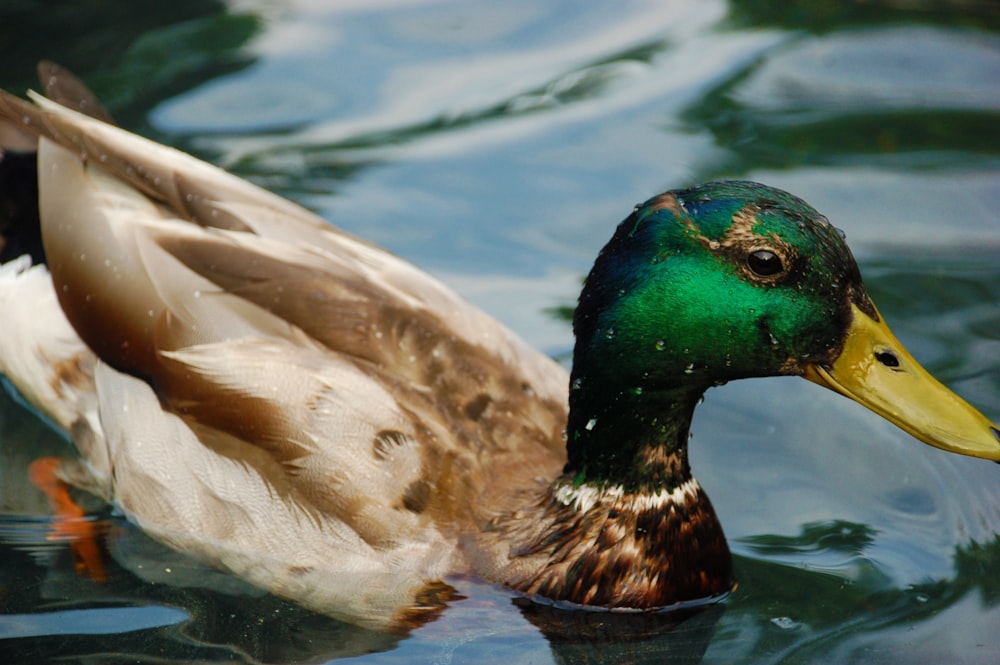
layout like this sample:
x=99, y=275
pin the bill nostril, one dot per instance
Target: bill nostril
x=887, y=358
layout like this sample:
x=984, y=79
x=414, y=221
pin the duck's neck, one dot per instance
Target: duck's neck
x=626, y=525
x=634, y=437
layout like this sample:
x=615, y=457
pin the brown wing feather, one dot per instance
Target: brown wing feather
x=195, y=191
x=479, y=407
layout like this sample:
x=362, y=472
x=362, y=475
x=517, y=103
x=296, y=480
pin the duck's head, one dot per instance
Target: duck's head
x=724, y=281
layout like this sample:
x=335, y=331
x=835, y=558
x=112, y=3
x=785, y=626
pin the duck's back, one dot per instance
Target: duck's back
x=273, y=394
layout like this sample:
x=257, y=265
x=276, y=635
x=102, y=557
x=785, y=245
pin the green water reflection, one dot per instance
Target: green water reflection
x=826, y=15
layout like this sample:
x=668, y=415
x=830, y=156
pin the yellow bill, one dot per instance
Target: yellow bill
x=875, y=370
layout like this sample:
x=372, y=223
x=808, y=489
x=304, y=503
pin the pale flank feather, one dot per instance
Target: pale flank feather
x=53, y=370
x=188, y=495
x=39, y=350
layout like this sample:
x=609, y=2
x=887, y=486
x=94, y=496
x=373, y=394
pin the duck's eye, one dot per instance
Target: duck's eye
x=764, y=262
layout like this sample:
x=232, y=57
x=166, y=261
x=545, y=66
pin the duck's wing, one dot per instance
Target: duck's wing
x=272, y=393
x=177, y=187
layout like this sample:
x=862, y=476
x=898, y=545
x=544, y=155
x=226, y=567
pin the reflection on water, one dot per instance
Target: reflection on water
x=860, y=99
x=839, y=615
x=500, y=151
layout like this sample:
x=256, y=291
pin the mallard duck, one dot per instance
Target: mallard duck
x=261, y=390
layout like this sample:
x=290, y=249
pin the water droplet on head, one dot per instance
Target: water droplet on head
x=689, y=369
x=774, y=340
x=576, y=384
x=609, y=333
x=660, y=345
x=637, y=390
x=591, y=424
x=713, y=244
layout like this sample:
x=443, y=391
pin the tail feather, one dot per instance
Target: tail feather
x=20, y=231
x=63, y=87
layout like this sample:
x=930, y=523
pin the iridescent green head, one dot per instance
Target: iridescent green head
x=697, y=287
x=722, y=281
